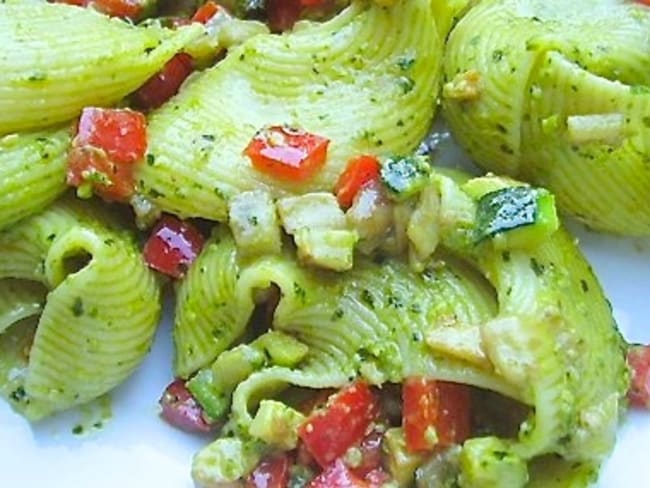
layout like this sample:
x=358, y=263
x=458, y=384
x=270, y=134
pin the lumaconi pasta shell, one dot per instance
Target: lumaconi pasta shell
x=97, y=321
x=543, y=68
x=544, y=331
x=32, y=172
x=57, y=59
x=367, y=80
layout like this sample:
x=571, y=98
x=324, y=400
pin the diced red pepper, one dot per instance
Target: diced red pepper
x=173, y=246
x=328, y=433
x=337, y=475
x=371, y=453
x=287, y=153
x=107, y=144
x=359, y=172
x=638, y=357
x=644, y=2
x=164, y=84
x=430, y=404
x=126, y=9
x=205, y=12
x=271, y=472
x=181, y=410
x=121, y=133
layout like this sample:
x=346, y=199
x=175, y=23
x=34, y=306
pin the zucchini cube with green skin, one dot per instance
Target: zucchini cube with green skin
x=215, y=403
x=405, y=176
x=212, y=387
x=487, y=461
x=400, y=463
x=518, y=217
x=235, y=365
x=224, y=462
x=254, y=223
x=276, y=424
x=282, y=349
x=327, y=248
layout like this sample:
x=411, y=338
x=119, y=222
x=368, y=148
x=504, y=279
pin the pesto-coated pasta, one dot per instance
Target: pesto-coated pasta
x=556, y=93
x=32, y=172
x=367, y=80
x=57, y=59
x=531, y=322
x=95, y=324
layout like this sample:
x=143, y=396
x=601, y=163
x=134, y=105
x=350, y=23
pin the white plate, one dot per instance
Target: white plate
x=135, y=449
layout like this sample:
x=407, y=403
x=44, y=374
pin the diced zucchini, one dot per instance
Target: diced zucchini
x=235, y=365
x=405, y=176
x=440, y=470
x=424, y=229
x=215, y=403
x=457, y=209
x=254, y=223
x=212, y=387
x=326, y=248
x=282, y=349
x=518, y=217
x=487, y=461
x=225, y=461
x=312, y=210
x=400, y=463
x=276, y=424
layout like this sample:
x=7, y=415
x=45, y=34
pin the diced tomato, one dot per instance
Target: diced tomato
x=337, y=475
x=644, y=2
x=430, y=404
x=271, y=472
x=164, y=84
x=638, y=358
x=287, y=153
x=181, y=410
x=126, y=9
x=328, y=433
x=205, y=12
x=90, y=166
x=370, y=448
x=173, y=246
x=359, y=172
x=107, y=144
x=121, y=133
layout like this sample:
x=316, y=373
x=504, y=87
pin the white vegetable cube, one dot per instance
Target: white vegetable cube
x=423, y=229
x=254, y=223
x=312, y=211
x=326, y=248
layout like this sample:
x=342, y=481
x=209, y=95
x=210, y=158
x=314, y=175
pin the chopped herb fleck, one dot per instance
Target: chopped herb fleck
x=77, y=307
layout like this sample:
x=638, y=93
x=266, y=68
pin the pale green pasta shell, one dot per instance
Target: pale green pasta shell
x=32, y=172
x=543, y=324
x=543, y=67
x=367, y=80
x=57, y=59
x=94, y=325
